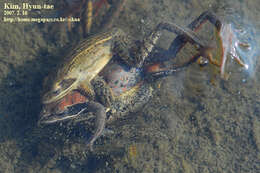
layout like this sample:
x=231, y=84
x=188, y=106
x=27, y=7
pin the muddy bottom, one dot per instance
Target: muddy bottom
x=195, y=122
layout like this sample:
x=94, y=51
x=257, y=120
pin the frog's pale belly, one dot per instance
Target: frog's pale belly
x=127, y=85
x=122, y=78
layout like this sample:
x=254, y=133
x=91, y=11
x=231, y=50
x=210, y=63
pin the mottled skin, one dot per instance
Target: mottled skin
x=91, y=59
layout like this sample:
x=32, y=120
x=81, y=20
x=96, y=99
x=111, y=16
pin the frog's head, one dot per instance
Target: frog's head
x=57, y=96
x=57, y=90
x=68, y=107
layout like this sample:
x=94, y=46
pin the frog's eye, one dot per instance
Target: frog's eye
x=58, y=89
x=63, y=85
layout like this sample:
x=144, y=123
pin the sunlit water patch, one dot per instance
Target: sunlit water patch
x=241, y=44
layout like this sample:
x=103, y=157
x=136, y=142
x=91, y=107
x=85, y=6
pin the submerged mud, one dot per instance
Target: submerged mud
x=195, y=121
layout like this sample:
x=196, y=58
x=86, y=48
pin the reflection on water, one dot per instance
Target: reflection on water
x=246, y=46
x=240, y=42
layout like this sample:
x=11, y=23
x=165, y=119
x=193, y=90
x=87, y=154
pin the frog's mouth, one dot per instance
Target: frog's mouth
x=68, y=107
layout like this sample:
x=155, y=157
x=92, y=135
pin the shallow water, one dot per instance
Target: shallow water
x=195, y=122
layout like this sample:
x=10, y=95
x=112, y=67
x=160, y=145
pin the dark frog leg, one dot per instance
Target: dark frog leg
x=141, y=51
x=181, y=40
x=103, y=95
x=151, y=76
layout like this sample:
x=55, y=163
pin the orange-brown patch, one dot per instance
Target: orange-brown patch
x=72, y=98
x=154, y=68
x=132, y=151
x=98, y=4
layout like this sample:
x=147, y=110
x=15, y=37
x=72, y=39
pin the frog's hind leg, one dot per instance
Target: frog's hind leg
x=181, y=40
x=103, y=95
x=152, y=75
x=206, y=16
x=141, y=51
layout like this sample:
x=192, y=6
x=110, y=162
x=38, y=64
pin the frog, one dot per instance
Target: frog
x=106, y=75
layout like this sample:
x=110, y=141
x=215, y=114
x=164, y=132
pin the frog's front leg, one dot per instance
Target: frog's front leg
x=103, y=97
x=103, y=94
x=100, y=112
